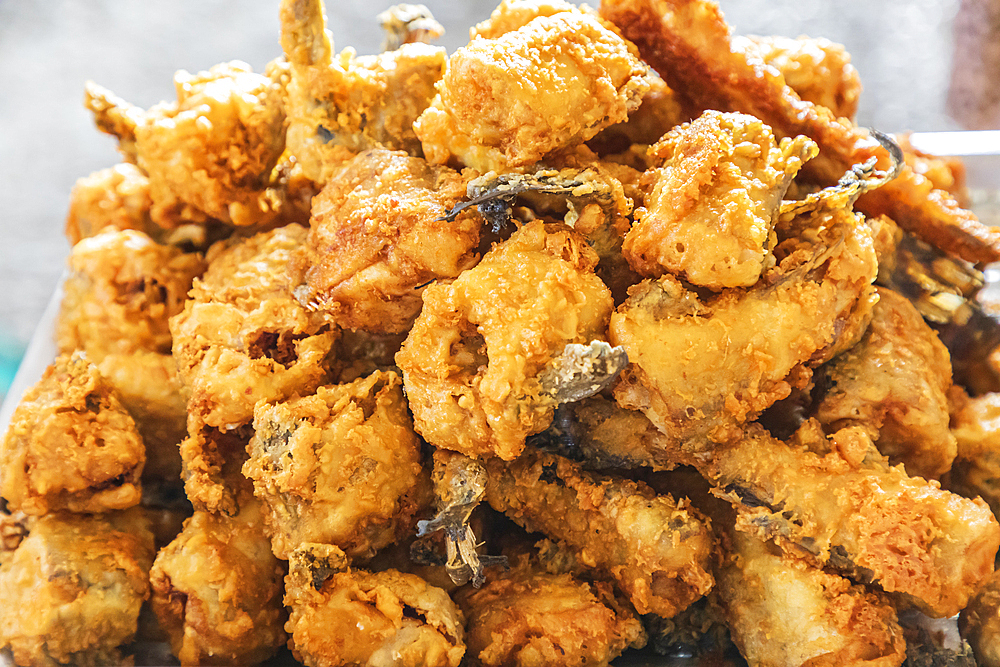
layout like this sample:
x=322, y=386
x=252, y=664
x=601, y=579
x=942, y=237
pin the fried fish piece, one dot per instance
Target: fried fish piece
x=551, y=84
x=210, y=155
x=116, y=197
x=894, y=383
x=378, y=234
x=975, y=423
x=73, y=588
x=781, y=609
x=341, y=466
x=71, y=445
x=152, y=392
x=472, y=359
x=700, y=367
x=345, y=616
x=242, y=337
x=14, y=527
x=527, y=616
x=818, y=70
x=979, y=623
x=784, y=611
x=341, y=105
x=217, y=589
x=710, y=216
x=121, y=292
x=689, y=44
x=846, y=508
x=656, y=549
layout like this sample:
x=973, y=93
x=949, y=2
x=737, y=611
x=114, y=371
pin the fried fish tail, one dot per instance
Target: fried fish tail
x=303, y=33
x=459, y=484
x=72, y=589
x=114, y=116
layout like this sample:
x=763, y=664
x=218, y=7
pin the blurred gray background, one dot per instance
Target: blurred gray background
x=49, y=48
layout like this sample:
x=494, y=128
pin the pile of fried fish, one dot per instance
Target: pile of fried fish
x=609, y=331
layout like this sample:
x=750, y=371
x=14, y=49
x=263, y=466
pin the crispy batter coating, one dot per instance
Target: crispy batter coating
x=116, y=197
x=523, y=618
x=73, y=588
x=552, y=84
x=785, y=612
x=71, y=445
x=848, y=509
x=710, y=217
x=975, y=423
x=895, y=383
x=818, y=70
x=210, y=154
x=339, y=106
x=378, y=235
x=343, y=616
x=700, y=367
x=979, y=623
x=341, y=466
x=122, y=289
x=151, y=391
x=471, y=360
x=217, y=590
x=657, y=549
x=243, y=337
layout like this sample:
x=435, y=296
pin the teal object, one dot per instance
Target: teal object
x=11, y=353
